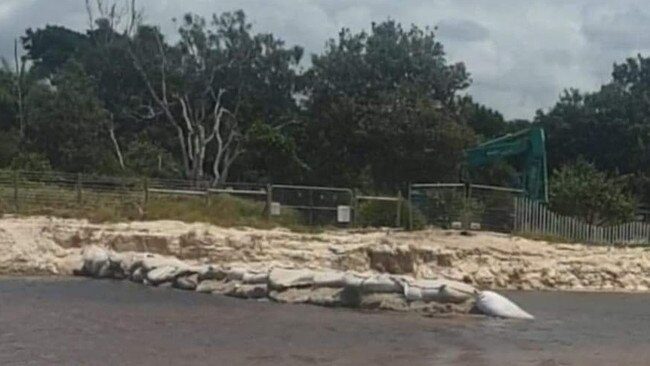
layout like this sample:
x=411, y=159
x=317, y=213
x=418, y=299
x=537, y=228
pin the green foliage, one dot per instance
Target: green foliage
x=384, y=214
x=68, y=124
x=486, y=122
x=31, y=162
x=9, y=147
x=144, y=158
x=611, y=126
x=579, y=190
x=384, y=103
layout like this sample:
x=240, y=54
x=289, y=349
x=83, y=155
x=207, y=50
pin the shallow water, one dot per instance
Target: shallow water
x=85, y=322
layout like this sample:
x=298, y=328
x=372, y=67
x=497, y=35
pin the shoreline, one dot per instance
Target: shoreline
x=54, y=278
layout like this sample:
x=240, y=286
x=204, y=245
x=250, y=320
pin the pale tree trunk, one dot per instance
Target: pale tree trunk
x=162, y=101
x=116, y=144
x=203, y=121
x=20, y=97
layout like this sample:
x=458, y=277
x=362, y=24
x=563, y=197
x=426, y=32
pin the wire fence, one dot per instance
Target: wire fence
x=460, y=206
x=444, y=205
x=24, y=192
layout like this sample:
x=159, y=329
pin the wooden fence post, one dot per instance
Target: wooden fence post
x=269, y=201
x=311, y=207
x=410, y=206
x=355, y=207
x=398, y=214
x=467, y=206
x=145, y=187
x=16, y=204
x=78, y=188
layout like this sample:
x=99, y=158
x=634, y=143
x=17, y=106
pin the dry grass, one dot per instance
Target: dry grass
x=222, y=210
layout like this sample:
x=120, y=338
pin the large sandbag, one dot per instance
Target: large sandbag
x=96, y=262
x=163, y=274
x=330, y=279
x=412, y=293
x=290, y=296
x=235, y=273
x=443, y=291
x=381, y=284
x=456, y=292
x=326, y=296
x=492, y=304
x=212, y=273
x=208, y=286
x=252, y=291
x=188, y=282
x=152, y=262
x=129, y=262
x=288, y=278
x=351, y=281
x=255, y=278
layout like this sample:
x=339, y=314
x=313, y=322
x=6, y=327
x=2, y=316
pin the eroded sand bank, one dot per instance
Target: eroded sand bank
x=39, y=245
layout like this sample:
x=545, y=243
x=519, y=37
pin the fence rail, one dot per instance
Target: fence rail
x=25, y=192
x=535, y=218
x=439, y=204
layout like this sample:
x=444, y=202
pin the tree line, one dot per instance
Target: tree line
x=219, y=101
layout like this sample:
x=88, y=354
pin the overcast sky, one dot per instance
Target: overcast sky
x=521, y=54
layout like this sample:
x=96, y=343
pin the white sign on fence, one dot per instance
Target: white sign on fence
x=343, y=214
x=275, y=208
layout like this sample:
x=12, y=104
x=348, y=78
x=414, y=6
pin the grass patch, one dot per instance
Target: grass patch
x=100, y=207
x=384, y=214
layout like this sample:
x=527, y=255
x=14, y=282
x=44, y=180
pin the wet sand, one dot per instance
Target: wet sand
x=86, y=322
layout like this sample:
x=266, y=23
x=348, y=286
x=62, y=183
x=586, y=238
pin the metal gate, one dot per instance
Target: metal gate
x=456, y=205
x=316, y=205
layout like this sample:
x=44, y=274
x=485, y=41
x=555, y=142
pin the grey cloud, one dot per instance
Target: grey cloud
x=521, y=54
x=462, y=30
x=629, y=29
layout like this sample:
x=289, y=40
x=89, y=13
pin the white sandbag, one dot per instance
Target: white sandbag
x=351, y=281
x=209, y=286
x=96, y=261
x=255, y=278
x=381, y=284
x=235, y=274
x=251, y=291
x=287, y=278
x=163, y=274
x=453, y=293
x=188, y=282
x=152, y=262
x=492, y=304
x=212, y=273
x=412, y=293
x=443, y=291
x=330, y=279
x=131, y=261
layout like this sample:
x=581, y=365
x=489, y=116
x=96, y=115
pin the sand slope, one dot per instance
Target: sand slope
x=40, y=245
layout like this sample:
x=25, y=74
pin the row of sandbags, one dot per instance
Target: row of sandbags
x=329, y=288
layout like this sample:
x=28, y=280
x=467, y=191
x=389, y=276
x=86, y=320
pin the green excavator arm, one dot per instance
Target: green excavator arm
x=528, y=146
